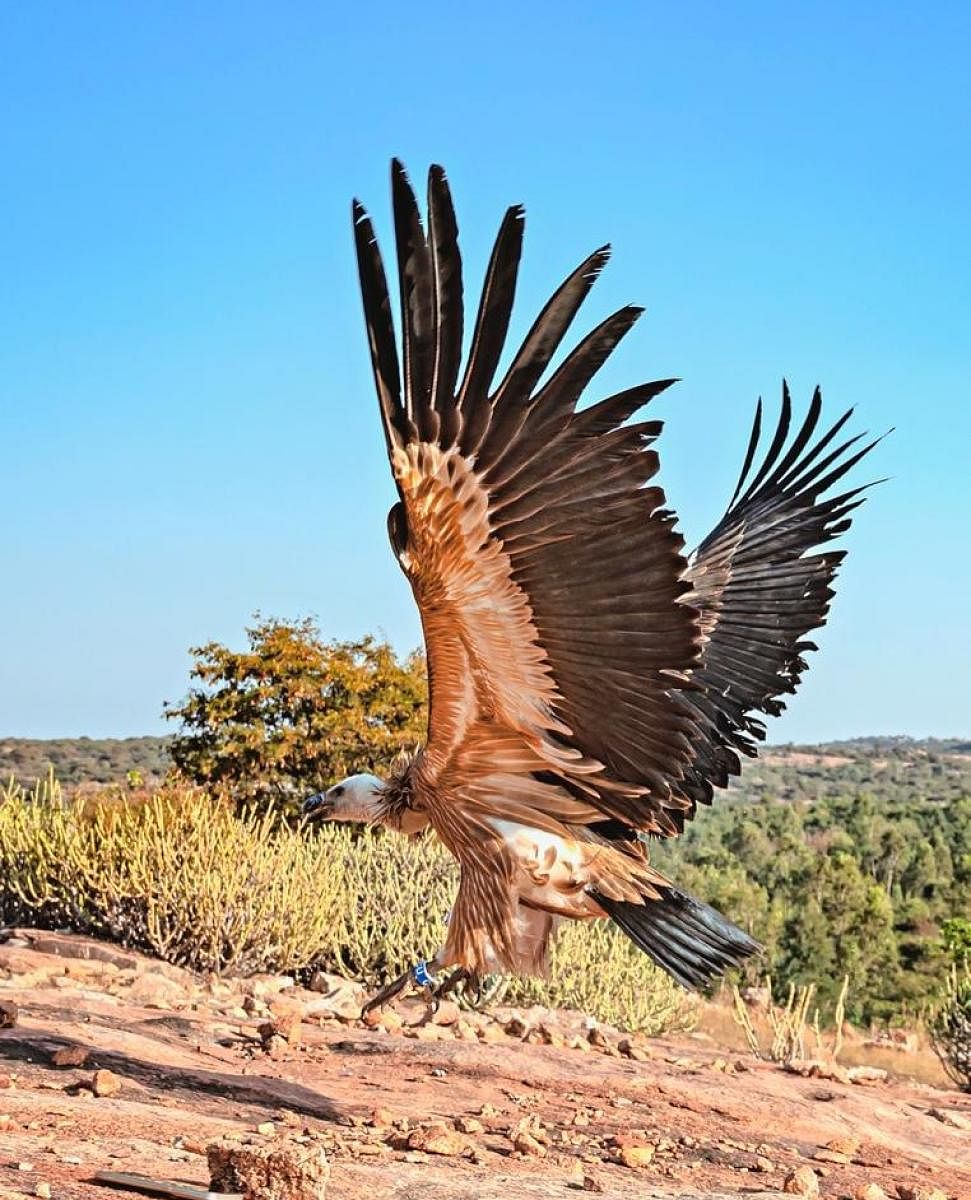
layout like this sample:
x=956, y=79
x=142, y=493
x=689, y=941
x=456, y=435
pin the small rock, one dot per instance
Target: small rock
x=516, y=1027
x=916, y=1191
x=339, y=997
x=381, y=1118
x=286, y=1006
x=70, y=1056
x=386, y=1019
x=527, y=1144
x=544, y=1034
x=867, y=1075
x=801, y=1182
x=43, y=1189
x=902, y=1040
x=591, y=1183
x=268, y=1171
x=764, y=1165
x=447, y=1013
x=950, y=1116
x=635, y=1156
x=869, y=1191
x=844, y=1144
x=832, y=1156
x=630, y=1049
x=368, y=1149
x=105, y=1083
x=267, y=1128
x=285, y=1025
x=9, y=1014
x=428, y=1033
x=25, y=1166
x=632, y=1150
x=264, y=986
x=156, y=991
x=468, y=1125
x=437, y=1138
x=817, y=1069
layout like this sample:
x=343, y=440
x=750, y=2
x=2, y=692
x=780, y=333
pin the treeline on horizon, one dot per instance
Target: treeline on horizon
x=846, y=858
x=943, y=765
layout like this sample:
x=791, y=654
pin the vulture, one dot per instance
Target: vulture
x=590, y=684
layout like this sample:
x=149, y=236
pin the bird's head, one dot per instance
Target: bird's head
x=357, y=798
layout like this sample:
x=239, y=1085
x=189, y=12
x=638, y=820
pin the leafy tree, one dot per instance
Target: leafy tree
x=293, y=712
x=956, y=935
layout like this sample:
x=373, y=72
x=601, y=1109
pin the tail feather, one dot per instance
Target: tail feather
x=688, y=939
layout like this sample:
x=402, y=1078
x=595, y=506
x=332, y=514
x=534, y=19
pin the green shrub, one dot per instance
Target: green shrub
x=182, y=876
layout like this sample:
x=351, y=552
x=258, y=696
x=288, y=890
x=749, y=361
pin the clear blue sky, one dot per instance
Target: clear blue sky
x=187, y=424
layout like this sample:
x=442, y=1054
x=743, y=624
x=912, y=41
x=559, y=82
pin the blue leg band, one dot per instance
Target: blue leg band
x=423, y=977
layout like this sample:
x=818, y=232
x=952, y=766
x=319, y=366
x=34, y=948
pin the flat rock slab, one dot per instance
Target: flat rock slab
x=535, y=1119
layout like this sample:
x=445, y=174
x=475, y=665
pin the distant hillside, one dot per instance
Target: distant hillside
x=83, y=760
x=892, y=768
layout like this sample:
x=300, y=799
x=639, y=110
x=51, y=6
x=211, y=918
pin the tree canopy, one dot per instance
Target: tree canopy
x=293, y=712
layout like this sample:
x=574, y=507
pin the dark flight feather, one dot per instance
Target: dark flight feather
x=567, y=500
x=760, y=588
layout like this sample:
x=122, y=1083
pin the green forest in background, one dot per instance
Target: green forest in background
x=852, y=858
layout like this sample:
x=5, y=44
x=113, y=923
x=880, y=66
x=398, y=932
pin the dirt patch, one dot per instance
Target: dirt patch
x=465, y=1110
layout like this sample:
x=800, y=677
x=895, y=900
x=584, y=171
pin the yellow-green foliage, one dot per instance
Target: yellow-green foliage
x=185, y=878
x=293, y=712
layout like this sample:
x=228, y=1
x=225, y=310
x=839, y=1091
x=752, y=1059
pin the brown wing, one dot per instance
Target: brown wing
x=549, y=577
x=759, y=589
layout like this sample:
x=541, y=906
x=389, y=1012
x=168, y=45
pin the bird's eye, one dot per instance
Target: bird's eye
x=337, y=791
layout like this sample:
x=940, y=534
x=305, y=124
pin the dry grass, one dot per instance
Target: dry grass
x=790, y=1029
x=718, y=1021
x=185, y=878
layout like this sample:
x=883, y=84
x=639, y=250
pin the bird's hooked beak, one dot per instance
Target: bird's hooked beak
x=319, y=807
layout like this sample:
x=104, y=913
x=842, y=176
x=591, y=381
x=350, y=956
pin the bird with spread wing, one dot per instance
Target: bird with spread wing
x=590, y=684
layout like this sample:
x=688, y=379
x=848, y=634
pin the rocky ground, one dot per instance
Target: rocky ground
x=110, y=1061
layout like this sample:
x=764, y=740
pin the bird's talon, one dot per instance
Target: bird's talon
x=419, y=975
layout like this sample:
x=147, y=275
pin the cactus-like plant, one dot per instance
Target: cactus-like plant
x=188, y=879
x=950, y=1027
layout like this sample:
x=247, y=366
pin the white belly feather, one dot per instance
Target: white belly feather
x=552, y=870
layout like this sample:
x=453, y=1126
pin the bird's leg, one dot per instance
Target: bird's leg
x=387, y=993
x=451, y=982
x=422, y=974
